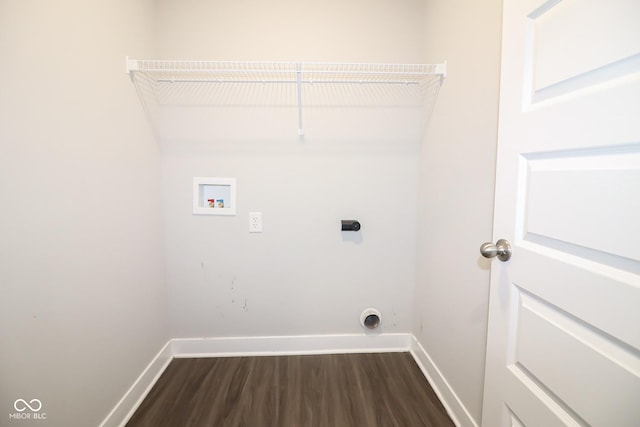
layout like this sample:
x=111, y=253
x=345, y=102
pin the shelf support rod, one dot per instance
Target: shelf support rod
x=299, y=82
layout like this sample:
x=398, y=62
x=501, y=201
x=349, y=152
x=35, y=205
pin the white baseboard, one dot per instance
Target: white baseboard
x=125, y=408
x=447, y=396
x=287, y=345
x=283, y=345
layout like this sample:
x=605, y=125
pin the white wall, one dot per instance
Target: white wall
x=81, y=253
x=301, y=275
x=288, y=30
x=456, y=194
x=81, y=258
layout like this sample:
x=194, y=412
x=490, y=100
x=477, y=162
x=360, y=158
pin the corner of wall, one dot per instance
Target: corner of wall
x=448, y=397
x=127, y=405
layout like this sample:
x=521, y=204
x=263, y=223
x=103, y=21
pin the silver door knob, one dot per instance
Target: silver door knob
x=502, y=250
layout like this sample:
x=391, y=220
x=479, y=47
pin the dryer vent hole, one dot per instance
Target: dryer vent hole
x=370, y=318
x=372, y=321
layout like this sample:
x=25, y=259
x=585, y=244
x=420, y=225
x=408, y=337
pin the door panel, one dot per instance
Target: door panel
x=605, y=298
x=557, y=209
x=571, y=44
x=564, y=325
x=552, y=347
x=574, y=37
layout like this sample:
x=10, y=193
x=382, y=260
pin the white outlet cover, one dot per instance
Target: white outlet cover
x=255, y=222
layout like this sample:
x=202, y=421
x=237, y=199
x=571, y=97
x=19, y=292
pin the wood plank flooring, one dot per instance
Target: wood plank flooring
x=337, y=390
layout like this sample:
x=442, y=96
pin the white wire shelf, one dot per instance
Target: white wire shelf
x=169, y=84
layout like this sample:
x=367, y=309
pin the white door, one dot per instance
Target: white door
x=564, y=318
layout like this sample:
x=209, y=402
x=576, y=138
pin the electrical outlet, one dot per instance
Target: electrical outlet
x=255, y=222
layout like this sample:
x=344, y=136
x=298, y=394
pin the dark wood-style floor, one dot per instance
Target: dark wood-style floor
x=338, y=390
